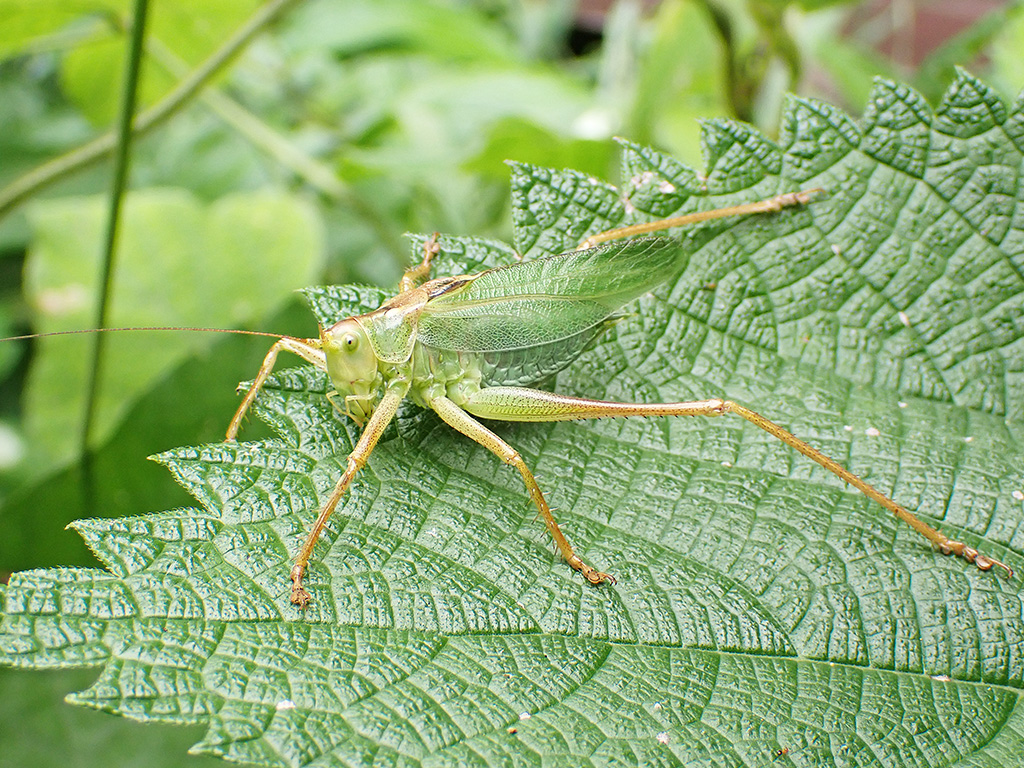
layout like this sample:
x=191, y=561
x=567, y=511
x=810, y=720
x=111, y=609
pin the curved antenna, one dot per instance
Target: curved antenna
x=151, y=328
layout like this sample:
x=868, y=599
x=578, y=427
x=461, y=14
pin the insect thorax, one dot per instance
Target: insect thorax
x=444, y=373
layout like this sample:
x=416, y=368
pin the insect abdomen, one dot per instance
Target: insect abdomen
x=518, y=367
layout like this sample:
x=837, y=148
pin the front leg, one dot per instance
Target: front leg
x=375, y=427
x=470, y=427
x=308, y=349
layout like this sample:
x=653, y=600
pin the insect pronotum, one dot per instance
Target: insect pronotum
x=433, y=343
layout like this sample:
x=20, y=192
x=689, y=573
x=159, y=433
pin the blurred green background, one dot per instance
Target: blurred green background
x=341, y=126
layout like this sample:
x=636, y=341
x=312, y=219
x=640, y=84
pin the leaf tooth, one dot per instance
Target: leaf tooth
x=897, y=127
x=737, y=155
x=969, y=107
x=815, y=137
x=657, y=185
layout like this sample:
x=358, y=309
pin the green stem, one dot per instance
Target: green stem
x=42, y=176
x=133, y=67
x=255, y=130
x=314, y=173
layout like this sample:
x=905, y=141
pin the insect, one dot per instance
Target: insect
x=469, y=347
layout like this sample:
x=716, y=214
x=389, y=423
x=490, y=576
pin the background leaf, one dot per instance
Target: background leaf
x=177, y=264
x=761, y=605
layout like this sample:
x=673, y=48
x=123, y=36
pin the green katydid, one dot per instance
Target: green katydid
x=470, y=346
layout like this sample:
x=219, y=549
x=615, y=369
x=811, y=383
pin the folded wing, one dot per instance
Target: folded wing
x=538, y=302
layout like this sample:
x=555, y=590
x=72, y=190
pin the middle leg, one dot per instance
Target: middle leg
x=470, y=427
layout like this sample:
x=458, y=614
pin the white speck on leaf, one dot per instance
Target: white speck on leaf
x=663, y=737
x=642, y=179
x=904, y=319
x=1018, y=495
x=872, y=432
x=285, y=704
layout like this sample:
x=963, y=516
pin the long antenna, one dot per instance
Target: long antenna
x=150, y=328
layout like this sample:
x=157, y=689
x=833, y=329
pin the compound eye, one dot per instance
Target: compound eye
x=351, y=342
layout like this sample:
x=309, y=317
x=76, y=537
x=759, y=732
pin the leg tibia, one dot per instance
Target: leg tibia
x=356, y=460
x=944, y=544
x=300, y=596
x=771, y=205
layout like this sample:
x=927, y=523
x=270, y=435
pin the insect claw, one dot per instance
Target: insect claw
x=598, y=577
x=987, y=563
x=431, y=247
x=591, y=574
x=300, y=596
x=971, y=555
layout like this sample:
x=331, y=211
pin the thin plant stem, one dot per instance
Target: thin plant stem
x=122, y=161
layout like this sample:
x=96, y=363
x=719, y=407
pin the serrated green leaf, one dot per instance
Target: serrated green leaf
x=761, y=605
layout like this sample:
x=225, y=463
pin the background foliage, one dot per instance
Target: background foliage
x=353, y=123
